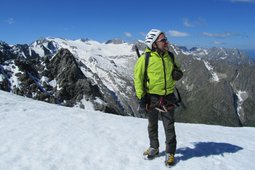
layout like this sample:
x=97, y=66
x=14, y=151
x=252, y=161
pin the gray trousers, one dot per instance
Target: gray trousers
x=168, y=123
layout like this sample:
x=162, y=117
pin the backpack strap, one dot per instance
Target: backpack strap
x=145, y=79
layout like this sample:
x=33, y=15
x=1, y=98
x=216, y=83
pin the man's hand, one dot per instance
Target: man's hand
x=142, y=106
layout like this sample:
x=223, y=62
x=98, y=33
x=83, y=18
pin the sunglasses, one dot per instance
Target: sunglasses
x=164, y=40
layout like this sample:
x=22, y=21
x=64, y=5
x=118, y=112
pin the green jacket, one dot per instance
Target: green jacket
x=159, y=73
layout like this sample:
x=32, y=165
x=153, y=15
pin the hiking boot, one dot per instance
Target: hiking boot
x=169, y=159
x=150, y=153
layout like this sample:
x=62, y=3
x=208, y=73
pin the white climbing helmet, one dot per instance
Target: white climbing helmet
x=151, y=37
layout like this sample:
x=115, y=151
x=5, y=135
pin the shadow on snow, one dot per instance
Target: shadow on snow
x=205, y=149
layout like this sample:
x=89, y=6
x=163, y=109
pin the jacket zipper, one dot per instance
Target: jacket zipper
x=164, y=68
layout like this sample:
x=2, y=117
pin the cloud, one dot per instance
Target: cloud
x=127, y=34
x=217, y=43
x=10, y=21
x=142, y=34
x=245, y=1
x=187, y=23
x=198, y=22
x=175, y=33
x=223, y=35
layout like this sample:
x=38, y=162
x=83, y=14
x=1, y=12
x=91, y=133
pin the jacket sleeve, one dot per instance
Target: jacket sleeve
x=177, y=62
x=139, y=76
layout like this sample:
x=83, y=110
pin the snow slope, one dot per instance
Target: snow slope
x=41, y=136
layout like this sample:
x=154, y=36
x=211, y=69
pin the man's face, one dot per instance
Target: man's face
x=162, y=43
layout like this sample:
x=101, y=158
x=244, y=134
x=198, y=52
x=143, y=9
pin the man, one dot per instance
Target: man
x=154, y=88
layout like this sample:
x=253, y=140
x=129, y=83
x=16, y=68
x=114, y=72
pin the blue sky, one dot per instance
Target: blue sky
x=202, y=23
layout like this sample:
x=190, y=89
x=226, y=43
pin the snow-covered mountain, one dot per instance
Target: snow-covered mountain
x=107, y=67
x=217, y=87
x=38, y=135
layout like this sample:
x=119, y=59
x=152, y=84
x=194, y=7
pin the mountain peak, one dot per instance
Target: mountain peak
x=115, y=41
